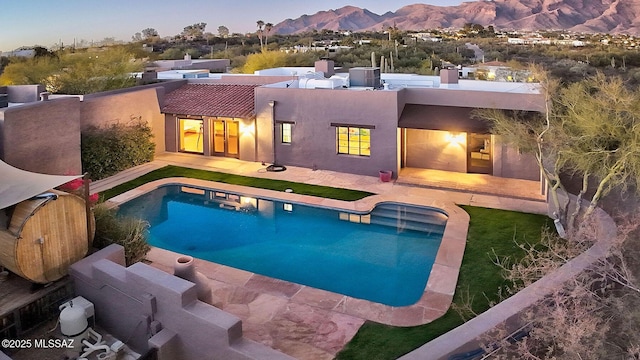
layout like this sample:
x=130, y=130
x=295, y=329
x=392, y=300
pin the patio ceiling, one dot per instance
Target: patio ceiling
x=447, y=118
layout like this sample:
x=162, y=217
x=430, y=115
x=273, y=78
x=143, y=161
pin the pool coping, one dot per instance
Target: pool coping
x=438, y=293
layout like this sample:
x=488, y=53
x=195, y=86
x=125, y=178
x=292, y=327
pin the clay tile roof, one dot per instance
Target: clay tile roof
x=211, y=100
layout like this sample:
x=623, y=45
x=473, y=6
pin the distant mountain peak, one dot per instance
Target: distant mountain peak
x=607, y=16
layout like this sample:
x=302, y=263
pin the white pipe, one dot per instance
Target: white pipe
x=98, y=345
x=93, y=348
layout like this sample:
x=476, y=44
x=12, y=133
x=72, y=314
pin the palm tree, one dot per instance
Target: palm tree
x=267, y=29
x=260, y=24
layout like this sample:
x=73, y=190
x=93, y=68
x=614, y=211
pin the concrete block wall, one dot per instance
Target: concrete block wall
x=149, y=308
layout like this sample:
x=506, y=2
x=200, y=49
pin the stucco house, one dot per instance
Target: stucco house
x=359, y=122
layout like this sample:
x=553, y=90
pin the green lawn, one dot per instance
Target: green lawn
x=278, y=185
x=488, y=229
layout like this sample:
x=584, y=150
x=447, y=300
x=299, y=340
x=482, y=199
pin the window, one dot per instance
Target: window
x=286, y=133
x=353, y=140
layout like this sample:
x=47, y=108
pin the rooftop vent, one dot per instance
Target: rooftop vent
x=365, y=76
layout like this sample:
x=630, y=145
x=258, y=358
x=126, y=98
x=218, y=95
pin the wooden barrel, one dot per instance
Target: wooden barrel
x=45, y=236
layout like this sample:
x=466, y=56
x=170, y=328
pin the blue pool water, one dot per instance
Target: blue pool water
x=384, y=256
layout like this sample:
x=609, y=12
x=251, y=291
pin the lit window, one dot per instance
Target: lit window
x=286, y=133
x=353, y=140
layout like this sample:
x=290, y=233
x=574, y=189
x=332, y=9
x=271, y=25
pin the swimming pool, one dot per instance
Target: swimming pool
x=383, y=256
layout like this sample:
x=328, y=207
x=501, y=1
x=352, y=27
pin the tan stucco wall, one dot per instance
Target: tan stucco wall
x=473, y=99
x=508, y=162
x=42, y=136
x=126, y=108
x=247, y=139
x=314, y=139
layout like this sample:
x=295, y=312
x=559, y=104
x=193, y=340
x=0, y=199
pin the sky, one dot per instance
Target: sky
x=49, y=22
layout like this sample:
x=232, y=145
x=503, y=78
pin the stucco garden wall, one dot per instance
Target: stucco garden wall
x=42, y=136
x=126, y=108
x=466, y=337
x=149, y=308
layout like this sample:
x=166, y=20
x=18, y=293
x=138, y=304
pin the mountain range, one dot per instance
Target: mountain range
x=592, y=16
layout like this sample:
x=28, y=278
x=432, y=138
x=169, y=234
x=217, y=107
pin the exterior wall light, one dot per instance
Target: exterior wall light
x=246, y=129
x=455, y=138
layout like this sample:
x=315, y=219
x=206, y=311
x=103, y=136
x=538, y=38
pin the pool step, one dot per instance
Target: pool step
x=408, y=217
x=408, y=225
x=417, y=214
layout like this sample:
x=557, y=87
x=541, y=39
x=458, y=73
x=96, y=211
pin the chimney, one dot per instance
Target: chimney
x=44, y=96
x=448, y=76
x=326, y=66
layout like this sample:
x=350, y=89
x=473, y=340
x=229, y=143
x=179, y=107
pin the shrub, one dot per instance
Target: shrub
x=107, y=151
x=129, y=232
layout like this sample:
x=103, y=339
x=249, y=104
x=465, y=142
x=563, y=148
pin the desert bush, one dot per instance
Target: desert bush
x=107, y=151
x=129, y=232
x=593, y=316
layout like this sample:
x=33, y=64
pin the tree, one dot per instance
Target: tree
x=76, y=73
x=223, y=31
x=270, y=59
x=150, y=34
x=590, y=129
x=4, y=61
x=264, y=60
x=40, y=51
x=136, y=37
x=260, y=24
x=267, y=30
x=194, y=31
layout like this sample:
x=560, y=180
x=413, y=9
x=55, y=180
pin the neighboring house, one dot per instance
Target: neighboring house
x=25, y=53
x=212, y=65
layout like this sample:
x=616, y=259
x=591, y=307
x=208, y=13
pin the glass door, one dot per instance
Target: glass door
x=226, y=138
x=479, y=155
x=218, y=137
x=191, y=136
x=233, y=138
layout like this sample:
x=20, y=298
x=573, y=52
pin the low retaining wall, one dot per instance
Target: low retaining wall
x=464, y=337
x=149, y=308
